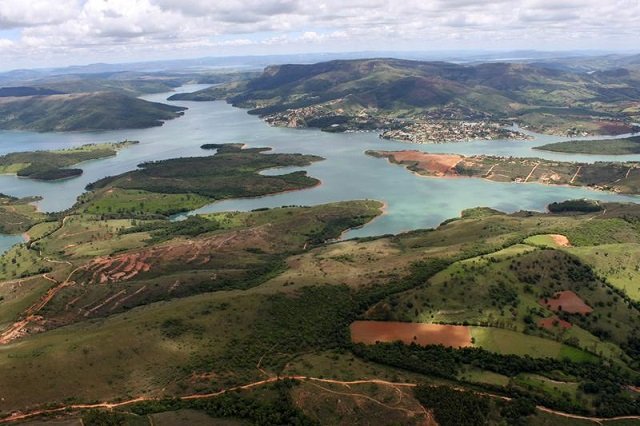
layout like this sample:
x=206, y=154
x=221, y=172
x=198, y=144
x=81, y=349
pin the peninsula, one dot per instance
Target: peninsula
x=618, y=177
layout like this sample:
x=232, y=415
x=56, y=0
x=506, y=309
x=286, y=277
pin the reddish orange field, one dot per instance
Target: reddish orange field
x=370, y=332
x=552, y=322
x=435, y=164
x=567, y=301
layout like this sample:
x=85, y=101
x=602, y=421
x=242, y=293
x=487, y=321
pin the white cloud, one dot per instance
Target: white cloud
x=53, y=32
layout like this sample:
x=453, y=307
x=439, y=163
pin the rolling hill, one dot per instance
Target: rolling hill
x=386, y=93
x=83, y=111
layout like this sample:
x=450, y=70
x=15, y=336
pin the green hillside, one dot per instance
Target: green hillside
x=385, y=93
x=84, y=111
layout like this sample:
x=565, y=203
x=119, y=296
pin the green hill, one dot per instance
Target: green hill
x=379, y=92
x=83, y=111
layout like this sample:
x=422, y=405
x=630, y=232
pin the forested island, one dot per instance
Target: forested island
x=54, y=165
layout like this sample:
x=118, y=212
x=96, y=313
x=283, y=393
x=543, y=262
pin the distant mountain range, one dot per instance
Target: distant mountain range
x=543, y=98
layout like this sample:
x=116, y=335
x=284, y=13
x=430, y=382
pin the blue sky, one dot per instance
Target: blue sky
x=44, y=33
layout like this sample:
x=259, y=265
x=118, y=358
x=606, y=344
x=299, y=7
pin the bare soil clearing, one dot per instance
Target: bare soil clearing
x=553, y=322
x=561, y=240
x=567, y=301
x=436, y=164
x=370, y=332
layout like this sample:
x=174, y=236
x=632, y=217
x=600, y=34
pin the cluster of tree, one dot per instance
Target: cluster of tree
x=453, y=407
x=606, y=382
x=580, y=206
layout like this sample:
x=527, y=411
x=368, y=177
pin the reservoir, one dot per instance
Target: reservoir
x=347, y=173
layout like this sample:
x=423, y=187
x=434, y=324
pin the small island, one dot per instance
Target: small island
x=167, y=187
x=54, y=165
x=622, y=146
x=623, y=178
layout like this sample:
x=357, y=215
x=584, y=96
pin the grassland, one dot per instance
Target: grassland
x=623, y=146
x=54, y=165
x=623, y=178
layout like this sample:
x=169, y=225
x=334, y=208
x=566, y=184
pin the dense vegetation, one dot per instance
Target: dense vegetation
x=624, y=146
x=577, y=206
x=228, y=174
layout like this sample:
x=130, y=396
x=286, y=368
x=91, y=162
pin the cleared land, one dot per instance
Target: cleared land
x=372, y=332
x=618, y=177
x=567, y=301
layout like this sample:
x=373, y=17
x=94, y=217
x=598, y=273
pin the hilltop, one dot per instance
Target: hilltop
x=83, y=111
x=396, y=94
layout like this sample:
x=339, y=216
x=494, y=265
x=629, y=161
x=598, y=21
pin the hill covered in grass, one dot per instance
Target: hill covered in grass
x=388, y=93
x=83, y=111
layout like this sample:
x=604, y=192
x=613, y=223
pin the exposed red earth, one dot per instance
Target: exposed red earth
x=370, y=332
x=567, y=301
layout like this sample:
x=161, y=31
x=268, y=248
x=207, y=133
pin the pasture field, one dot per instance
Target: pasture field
x=618, y=263
x=513, y=343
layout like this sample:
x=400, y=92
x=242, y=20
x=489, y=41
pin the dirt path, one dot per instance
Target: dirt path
x=16, y=416
x=488, y=174
x=531, y=173
x=575, y=175
x=16, y=329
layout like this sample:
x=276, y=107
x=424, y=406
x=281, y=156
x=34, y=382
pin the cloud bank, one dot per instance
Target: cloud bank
x=50, y=33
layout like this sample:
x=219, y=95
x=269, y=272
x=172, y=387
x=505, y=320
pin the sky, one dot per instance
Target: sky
x=50, y=33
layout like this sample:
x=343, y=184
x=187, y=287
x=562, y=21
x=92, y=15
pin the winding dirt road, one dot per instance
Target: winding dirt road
x=111, y=405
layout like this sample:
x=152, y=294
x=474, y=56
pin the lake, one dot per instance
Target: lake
x=347, y=173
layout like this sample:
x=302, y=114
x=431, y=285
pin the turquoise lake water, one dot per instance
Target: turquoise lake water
x=346, y=174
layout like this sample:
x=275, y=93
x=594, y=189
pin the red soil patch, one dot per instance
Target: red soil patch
x=560, y=240
x=197, y=252
x=552, y=322
x=370, y=332
x=436, y=164
x=567, y=301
